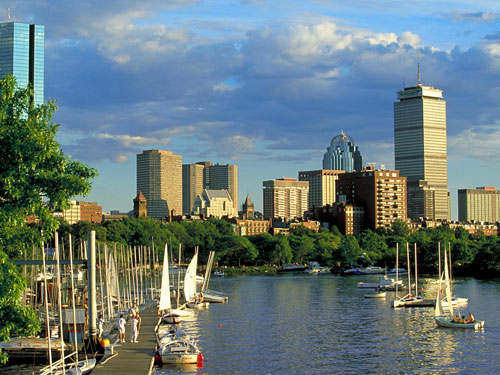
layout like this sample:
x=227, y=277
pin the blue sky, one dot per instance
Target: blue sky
x=264, y=84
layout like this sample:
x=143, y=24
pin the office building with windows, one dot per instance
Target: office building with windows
x=159, y=179
x=285, y=198
x=22, y=55
x=321, y=186
x=381, y=194
x=205, y=175
x=481, y=204
x=342, y=155
x=420, y=150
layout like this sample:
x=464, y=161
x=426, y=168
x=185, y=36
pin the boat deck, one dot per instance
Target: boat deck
x=133, y=358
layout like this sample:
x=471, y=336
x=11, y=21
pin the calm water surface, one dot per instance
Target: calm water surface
x=322, y=324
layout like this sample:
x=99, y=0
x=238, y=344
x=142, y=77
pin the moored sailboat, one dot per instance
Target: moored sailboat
x=450, y=320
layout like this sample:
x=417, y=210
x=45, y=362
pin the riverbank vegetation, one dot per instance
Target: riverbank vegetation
x=472, y=255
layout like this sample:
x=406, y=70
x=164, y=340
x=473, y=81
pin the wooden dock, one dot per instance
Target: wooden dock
x=133, y=358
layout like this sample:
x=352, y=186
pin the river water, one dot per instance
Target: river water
x=322, y=324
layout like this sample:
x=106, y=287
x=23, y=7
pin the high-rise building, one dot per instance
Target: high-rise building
x=159, y=178
x=204, y=175
x=420, y=150
x=285, y=198
x=382, y=195
x=22, y=55
x=342, y=155
x=192, y=185
x=222, y=177
x=321, y=186
x=480, y=204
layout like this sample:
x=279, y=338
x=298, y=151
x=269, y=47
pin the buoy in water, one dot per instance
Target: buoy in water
x=200, y=357
x=220, y=325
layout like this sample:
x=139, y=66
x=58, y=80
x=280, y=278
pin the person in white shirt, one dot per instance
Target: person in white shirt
x=134, y=322
x=100, y=324
x=121, y=328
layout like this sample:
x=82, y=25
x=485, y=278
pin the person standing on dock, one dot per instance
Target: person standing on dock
x=134, y=310
x=134, y=322
x=100, y=326
x=121, y=328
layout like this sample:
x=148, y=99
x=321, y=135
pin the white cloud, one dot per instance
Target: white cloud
x=480, y=142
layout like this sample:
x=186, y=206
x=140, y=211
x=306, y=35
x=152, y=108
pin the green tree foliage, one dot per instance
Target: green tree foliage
x=35, y=177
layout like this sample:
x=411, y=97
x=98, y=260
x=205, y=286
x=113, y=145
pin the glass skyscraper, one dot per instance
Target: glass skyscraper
x=22, y=55
x=342, y=155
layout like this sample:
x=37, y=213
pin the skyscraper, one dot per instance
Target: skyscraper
x=223, y=176
x=159, y=178
x=342, y=155
x=192, y=185
x=22, y=55
x=420, y=150
x=204, y=175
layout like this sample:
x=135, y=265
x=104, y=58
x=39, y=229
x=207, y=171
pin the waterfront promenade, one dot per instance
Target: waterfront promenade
x=133, y=358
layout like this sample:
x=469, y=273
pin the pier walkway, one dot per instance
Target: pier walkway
x=133, y=358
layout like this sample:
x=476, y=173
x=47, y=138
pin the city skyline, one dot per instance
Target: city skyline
x=263, y=86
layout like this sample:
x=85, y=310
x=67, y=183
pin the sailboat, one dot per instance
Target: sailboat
x=448, y=320
x=455, y=301
x=192, y=298
x=211, y=295
x=165, y=304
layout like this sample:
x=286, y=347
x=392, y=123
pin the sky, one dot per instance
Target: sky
x=264, y=84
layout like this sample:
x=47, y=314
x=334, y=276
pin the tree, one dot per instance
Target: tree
x=35, y=175
x=35, y=178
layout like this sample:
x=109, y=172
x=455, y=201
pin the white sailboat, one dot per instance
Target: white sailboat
x=165, y=303
x=449, y=320
x=192, y=298
x=211, y=295
x=455, y=301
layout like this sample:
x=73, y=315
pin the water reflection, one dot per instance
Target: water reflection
x=297, y=324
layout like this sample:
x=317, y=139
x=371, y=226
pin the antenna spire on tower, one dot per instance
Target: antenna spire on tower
x=8, y=14
x=418, y=65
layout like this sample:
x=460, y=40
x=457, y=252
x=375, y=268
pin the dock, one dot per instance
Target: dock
x=129, y=357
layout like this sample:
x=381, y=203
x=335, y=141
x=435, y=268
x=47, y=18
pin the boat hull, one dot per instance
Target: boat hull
x=445, y=321
x=179, y=358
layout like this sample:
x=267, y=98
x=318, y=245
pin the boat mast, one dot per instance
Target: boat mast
x=416, y=286
x=59, y=298
x=45, y=297
x=397, y=265
x=73, y=295
x=409, y=267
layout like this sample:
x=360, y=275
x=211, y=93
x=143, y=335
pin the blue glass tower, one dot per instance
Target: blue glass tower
x=22, y=55
x=342, y=155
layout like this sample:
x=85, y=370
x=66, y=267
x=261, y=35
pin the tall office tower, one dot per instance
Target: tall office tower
x=159, y=178
x=22, y=55
x=420, y=150
x=479, y=204
x=222, y=177
x=321, y=186
x=192, y=185
x=382, y=195
x=342, y=155
x=285, y=198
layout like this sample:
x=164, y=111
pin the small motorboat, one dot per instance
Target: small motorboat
x=171, y=318
x=376, y=295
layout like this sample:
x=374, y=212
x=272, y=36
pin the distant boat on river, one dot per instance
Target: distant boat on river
x=291, y=268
